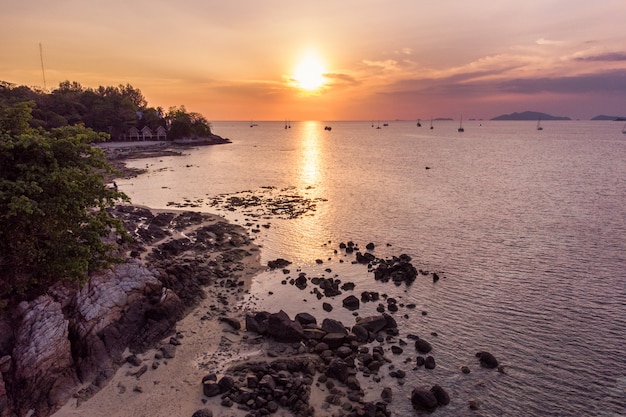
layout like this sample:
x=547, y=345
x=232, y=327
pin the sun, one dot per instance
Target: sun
x=309, y=73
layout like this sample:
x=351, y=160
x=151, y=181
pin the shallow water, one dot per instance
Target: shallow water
x=528, y=228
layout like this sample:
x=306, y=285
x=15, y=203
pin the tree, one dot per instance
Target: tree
x=54, y=225
x=187, y=125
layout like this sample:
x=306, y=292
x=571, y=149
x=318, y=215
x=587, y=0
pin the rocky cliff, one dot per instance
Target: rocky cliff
x=75, y=338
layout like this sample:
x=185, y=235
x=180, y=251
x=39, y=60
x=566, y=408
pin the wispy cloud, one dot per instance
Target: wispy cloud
x=543, y=41
x=606, y=57
x=607, y=82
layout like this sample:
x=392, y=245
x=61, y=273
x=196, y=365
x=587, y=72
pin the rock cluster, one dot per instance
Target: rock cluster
x=331, y=350
x=263, y=387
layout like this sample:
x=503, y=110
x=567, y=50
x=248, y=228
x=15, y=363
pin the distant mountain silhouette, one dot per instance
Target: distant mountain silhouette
x=529, y=115
x=614, y=118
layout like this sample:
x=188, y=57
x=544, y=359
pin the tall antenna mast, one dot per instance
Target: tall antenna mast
x=43, y=71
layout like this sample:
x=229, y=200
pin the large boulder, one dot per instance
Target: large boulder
x=333, y=326
x=423, y=400
x=423, y=346
x=443, y=398
x=487, y=360
x=258, y=322
x=351, y=303
x=283, y=329
x=373, y=324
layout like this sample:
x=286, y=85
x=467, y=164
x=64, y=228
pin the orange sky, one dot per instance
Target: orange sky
x=378, y=60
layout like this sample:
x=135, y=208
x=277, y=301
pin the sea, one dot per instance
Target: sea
x=526, y=229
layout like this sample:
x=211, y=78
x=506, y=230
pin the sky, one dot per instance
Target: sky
x=329, y=59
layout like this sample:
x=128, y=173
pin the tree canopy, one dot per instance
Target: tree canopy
x=54, y=224
x=112, y=110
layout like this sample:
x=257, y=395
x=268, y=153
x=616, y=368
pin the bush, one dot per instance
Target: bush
x=53, y=219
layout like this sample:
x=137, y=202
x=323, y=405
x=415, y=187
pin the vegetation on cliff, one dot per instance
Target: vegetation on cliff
x=53, y=219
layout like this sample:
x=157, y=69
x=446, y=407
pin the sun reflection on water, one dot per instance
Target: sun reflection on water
x=311, y=155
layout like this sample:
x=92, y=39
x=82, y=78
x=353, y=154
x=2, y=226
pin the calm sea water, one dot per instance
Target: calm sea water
x=528, y=228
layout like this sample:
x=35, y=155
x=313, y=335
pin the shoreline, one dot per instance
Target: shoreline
x=214, y=342
x=166, y=386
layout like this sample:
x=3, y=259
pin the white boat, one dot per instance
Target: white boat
x=539, y=125
x=460, y=129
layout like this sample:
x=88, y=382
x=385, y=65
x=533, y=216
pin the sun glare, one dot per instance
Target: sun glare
x=309, y=74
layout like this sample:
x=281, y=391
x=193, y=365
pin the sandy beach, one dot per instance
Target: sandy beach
x=172, y=386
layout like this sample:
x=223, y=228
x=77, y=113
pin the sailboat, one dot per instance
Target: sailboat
x=539, y=125
x=624, y=130
x=460, y=129
x=431, y=124
x=419, y=123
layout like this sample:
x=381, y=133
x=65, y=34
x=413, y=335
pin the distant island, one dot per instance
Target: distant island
x=529, y=115
x=612, y=118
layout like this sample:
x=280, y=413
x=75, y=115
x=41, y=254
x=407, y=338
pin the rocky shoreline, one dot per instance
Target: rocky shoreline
x=70, y=341
x=167, y=333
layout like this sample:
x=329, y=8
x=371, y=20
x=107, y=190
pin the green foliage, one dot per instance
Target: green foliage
x=53, y=219
x=187, y=125
x=112, y=110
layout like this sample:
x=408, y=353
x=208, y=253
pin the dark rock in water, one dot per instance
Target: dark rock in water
x=351, y=303
x=370, y=246
x=327, y=307
x=423, y=346
x=429, y=362
x=373, y=324
x=465, y=369
x=443, y=398
x=419, y=361
x=391, y=322
x=487, y=360
x=423, y=400
x=278, y=263
x=435, y=277
x=301, y=281
x=348, y=286
x=365, y=258
x=367, y=296
x=396, y=350
x=399, y=269
x=205, y=412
